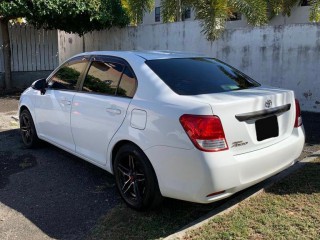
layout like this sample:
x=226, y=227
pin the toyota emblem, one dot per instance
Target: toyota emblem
x=268, y=103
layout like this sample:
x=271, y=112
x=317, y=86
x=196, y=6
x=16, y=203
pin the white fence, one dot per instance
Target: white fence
x=32, y=49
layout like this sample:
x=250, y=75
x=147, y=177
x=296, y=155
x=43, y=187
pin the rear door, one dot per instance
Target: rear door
x=53, y=108
x=100, y=107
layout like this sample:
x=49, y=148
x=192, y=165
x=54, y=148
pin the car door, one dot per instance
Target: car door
x=54, y=106
x=100, y=107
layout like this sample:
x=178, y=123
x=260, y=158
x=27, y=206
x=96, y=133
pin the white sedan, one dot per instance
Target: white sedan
x=165, y=124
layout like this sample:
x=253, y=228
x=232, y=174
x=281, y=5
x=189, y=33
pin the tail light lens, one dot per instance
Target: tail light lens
x=298, y=121
x=205, y=132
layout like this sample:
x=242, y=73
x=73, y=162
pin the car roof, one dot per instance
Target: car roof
x=147, y=55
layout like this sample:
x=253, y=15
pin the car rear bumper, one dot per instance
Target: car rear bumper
x=192, y=175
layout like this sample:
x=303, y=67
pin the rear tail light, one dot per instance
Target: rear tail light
x=298, y=121
x=205, y=132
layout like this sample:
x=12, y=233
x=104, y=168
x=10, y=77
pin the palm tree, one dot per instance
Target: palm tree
x=136, y=9
x=213, y=14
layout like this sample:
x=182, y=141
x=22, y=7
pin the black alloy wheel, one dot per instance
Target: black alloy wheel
x=135, y=179
x=27, y=129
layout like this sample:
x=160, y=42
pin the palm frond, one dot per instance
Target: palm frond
x=315, y=11
x=136, y=9
x=212, y=15
x=254, y=10
x=283, y=7
x=168, y=10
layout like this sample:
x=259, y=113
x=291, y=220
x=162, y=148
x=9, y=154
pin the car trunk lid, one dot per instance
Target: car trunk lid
x=253, y=118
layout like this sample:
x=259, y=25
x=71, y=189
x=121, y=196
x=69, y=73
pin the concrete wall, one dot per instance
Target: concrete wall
x=23, y=80
x=282, y=56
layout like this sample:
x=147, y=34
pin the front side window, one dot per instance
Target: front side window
x=193, y=76
x=103, y=77
x=67, y=76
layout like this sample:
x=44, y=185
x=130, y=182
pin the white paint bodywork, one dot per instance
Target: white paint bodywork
x=97, y=123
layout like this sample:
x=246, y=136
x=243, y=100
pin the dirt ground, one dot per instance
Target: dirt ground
x=47, y=193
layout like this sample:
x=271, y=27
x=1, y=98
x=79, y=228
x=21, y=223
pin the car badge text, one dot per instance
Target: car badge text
x=239, y=144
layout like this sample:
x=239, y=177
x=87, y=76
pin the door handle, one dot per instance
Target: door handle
x=65, y=102
x=115, y=111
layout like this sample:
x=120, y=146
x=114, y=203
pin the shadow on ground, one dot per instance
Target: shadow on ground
x=311, y=122
x=62, y=195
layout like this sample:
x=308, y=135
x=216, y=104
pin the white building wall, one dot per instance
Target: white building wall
x=282, y=56
x=299, y=14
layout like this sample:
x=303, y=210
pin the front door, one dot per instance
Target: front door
x=53, y=108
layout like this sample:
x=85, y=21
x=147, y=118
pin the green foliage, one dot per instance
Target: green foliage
x=69, y=75
x=315, y=11
x=213, y=14
x=168, y=10
x=281, y=7
x=136, y=9
x=255, y=11
x=77, y=16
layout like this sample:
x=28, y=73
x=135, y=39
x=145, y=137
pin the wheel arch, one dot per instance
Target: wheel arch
x=23, y=107
x=116, y=148
x=26, y=106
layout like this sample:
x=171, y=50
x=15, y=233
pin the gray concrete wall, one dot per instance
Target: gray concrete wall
x=285, y=56
x=22, y=80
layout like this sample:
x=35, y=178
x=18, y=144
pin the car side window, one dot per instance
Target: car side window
x=103, y=77
x=127, y=86
x=68, y=75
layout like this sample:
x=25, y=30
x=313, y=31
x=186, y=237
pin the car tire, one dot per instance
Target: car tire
x=135, y=178
x=27, y=129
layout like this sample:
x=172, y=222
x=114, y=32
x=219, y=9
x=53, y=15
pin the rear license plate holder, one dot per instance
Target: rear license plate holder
x=267, y=128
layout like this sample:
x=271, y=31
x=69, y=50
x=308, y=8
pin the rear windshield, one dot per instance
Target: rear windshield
x=193, y=76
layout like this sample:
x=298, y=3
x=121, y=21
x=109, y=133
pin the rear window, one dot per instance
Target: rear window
x=193, y=76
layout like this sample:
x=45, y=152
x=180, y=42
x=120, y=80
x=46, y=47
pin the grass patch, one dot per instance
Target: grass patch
x=288, y=210
x=124, y=223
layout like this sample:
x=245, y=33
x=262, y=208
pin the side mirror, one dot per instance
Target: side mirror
x=40, y=85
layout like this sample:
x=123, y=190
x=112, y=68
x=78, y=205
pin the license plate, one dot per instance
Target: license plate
x=267, y=128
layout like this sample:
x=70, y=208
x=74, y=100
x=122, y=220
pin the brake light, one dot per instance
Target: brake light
x=205, y=132
x=298, y=121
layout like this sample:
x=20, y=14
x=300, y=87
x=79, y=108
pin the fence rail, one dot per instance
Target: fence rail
x=31, y=49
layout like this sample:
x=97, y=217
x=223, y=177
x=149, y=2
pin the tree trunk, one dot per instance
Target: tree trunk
x=6, y=53
x=178, y=11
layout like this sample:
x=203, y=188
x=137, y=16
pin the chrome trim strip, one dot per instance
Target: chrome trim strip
x=262, y=114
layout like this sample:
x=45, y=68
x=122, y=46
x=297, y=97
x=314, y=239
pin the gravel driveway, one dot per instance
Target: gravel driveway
x=47, y=193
